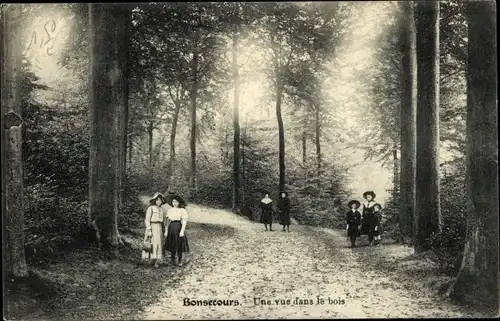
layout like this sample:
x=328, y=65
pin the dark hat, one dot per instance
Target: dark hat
x=284, y=192
x=377, y=204
x=358, y=204
x=369, y=193
x=264, y=192
x=172, y=196
x=155, y=196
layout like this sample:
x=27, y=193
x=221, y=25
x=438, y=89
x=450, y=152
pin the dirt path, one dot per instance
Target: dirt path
x=303, y=264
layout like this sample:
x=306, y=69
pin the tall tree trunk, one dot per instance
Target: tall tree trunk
x=12, y=181
x=304, y=148
x=193, y=97
x=150, y=144
x=243, y=165
x=123, y=62
x=281, y=131
x=236, y=126
x=107, y=107
x=428, y=211
x=130, y=148
x=408, y=127
x=318, y=145
x=173, y=133
x=477, y=281
x=395, y=176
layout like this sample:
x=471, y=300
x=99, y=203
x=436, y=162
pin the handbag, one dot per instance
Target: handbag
x=147, y=245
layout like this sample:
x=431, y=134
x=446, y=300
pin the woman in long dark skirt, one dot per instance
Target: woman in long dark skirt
x=353, y=220
x=367, y=220
x=266, y=205
x=284, y=210
x=176, y=239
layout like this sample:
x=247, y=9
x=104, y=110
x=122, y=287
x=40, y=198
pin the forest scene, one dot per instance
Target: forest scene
x=221, y=103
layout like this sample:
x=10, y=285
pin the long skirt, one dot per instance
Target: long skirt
x=157, y=240
x=266, y=217
x=174, y=243
x=285, y=218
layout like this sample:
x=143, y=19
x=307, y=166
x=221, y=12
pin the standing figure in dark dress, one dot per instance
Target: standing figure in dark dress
x=284, y=210
x=367, y=220
x=353, y=220
x=377, y=224
x=266, y=205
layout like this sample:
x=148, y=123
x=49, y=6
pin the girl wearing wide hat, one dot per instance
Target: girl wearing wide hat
x=176, y=239
x=284, y=210
x=353, y=221
x=155, y=223
x=266, y=206
x=368, y=221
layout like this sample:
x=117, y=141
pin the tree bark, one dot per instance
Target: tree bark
x=173, y=133
x=428, y=211
x=408, y=128
x=107, y=107
x=236, y=126
x=12, y=182
x=477, y=281
x=281, y=132
x=318, y=145
x=150, y=144
x=193, y=97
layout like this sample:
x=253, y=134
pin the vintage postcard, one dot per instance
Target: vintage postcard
x=249, y=160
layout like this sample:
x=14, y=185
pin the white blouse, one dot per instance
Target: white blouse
x=154, y=214
x=177, y=214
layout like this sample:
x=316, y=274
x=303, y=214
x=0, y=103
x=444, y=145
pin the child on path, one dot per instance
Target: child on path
x=353, y=220
x=377, y=218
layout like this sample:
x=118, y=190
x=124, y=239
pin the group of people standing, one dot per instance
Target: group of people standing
x=267, y=211
x=165, y=231
x=367, y=222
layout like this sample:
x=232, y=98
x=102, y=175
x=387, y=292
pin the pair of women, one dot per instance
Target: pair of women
x=166, y=231
x=266, y=205
x=367, y=223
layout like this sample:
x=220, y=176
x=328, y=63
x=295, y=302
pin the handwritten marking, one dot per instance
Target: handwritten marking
x=50, y=28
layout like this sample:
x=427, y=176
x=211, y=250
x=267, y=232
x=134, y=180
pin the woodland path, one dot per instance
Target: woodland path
x=235, y=259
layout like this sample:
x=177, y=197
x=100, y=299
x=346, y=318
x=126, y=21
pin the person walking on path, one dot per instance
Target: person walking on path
x=155, y=224
x=353, y=220
x=367, y=219
x=284, y=210
x=176, y=240
x=377, y=224
x=266, y=205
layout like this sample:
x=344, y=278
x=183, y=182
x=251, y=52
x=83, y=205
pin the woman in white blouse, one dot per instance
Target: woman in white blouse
x=155, y=223
x=175, y=233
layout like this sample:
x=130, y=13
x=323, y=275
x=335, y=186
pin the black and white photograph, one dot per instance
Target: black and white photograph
x=249, y=160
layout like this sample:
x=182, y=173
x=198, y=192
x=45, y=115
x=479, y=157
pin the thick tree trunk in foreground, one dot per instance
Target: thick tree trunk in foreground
x=428, y=211
x=236, y=127
x=408, y=122
x=477, y=281
x=12, y=177
x=107, y=107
